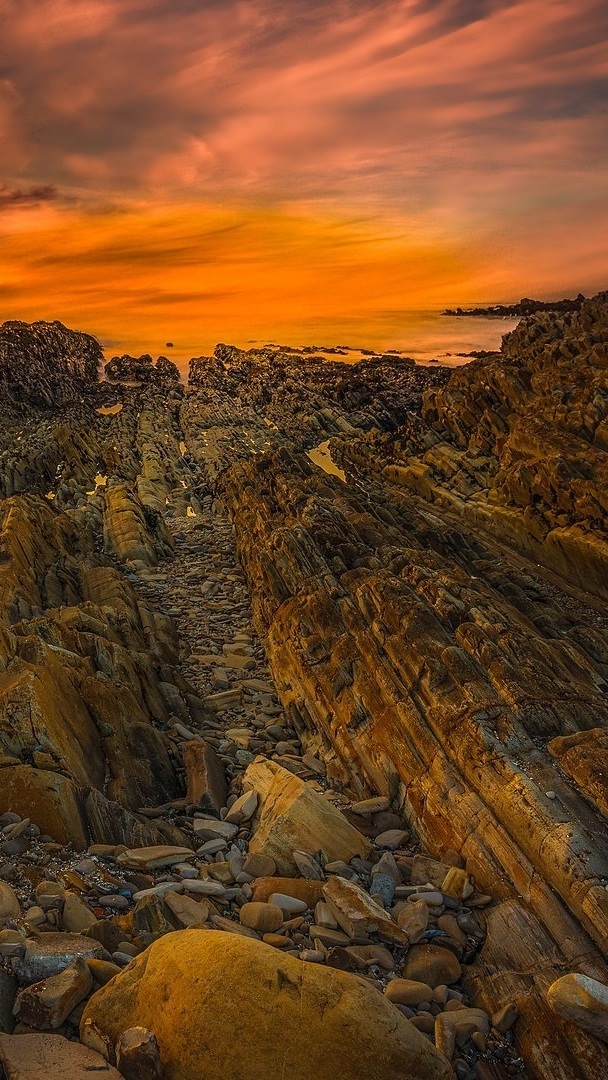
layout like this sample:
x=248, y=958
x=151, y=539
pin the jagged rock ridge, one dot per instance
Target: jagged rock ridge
x=45, y=364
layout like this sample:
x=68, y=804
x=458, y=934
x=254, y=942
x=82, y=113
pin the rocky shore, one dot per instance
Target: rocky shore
x=521, y=310
x=303, y=674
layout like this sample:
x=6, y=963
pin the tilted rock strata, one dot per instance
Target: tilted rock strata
x=85, y=665
x=416, y=655
x=517, y=445
x=419, y=654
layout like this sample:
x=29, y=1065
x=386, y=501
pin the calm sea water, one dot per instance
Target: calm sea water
x=424, y=335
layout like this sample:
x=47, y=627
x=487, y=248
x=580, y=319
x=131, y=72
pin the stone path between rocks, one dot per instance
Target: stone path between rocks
x=203, y=589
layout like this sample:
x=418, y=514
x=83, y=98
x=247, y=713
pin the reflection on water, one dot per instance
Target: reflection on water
x=421, y=334
x=321, y=457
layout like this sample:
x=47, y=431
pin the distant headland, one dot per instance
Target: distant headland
x=520, y=310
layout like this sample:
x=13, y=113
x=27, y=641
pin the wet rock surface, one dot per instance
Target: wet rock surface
x=342, y=727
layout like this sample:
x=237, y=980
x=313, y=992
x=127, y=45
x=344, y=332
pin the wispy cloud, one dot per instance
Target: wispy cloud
x=482, y=119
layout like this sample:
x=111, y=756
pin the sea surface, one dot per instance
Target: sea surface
x=424, y=335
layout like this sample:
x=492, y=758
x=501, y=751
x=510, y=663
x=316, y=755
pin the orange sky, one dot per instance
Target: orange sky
x=198, y=170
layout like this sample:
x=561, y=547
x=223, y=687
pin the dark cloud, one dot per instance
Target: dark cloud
x=15, y=197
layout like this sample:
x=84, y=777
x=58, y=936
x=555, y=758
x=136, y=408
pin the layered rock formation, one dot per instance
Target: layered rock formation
x=432, y=603
x=88, y=672
x=420, y=652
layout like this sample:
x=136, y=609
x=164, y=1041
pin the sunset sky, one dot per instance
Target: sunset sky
x=206, y=170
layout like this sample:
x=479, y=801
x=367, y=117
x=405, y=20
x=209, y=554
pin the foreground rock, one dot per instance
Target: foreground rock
x=229, y=1006
x=40, y=1057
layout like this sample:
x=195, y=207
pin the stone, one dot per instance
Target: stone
x=204, y=887
x=45, y=1005
x=324, y=916
x=51, y=953
x=76, y=916
x=456, y=883
x=367, y=807
x=308, y=891
x=316, y=1021
x=293, y=817
x=581, y=1001
x=308, y=867
x=10, y=908
x=41, y=1056
x=414, y=919
x=243, y=809
x=210, y=829
x=504, y=1019
x=187, y=911
x=450, y=927
x=278, y=941
x=457, y=1026
x=156, y=857
x=50, y=895
x=12, y=942
x=205, y=777
x=408, y=992
x=102, y=971
x=265, y=918
x=138, y=1056
x=432, y=964
x=289, y=905
x=357, y=913
x=258, y=866
x=393, y=839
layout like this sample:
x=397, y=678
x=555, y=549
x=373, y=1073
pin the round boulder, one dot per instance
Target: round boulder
x=224, y=1005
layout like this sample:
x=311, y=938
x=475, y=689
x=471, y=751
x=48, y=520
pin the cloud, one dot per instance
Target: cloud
x=14, y=198
x=316, y=100
x=477, y=126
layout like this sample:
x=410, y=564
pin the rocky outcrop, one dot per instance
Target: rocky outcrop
x=88, y=677
x=429, y=588
x=420, y=655
x=521, y=310
x=517, y=445
x=142, y=369
x=45, y=364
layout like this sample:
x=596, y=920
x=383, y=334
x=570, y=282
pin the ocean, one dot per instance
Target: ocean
x=423, y=335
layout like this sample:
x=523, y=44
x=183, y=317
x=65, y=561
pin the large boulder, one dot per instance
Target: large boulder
x=291, y=816
x=581, y=1001
x=222, y=1006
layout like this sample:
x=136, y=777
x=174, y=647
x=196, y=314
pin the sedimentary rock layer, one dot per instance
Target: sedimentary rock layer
x=420, y=651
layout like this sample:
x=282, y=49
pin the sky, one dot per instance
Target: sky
x=243, y=170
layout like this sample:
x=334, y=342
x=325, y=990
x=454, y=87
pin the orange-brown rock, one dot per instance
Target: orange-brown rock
x=291, y=816
x=310, y=892
x=302, y=1018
